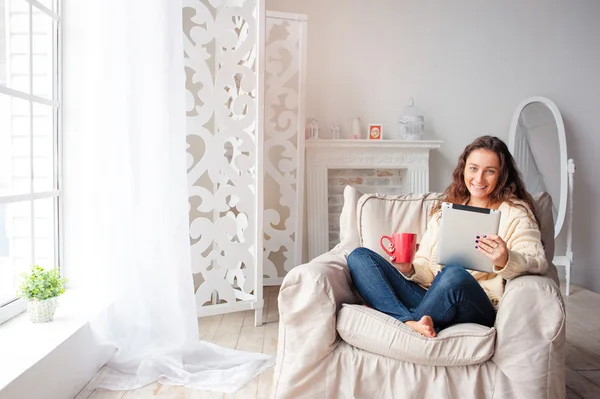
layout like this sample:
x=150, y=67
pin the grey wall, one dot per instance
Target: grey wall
x=468, y=64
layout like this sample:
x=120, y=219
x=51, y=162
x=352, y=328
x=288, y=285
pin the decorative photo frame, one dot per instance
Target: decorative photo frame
x=375, y=132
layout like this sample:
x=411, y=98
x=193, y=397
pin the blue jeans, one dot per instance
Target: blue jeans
x=454, y=296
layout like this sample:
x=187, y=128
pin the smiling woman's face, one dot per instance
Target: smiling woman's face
x=482, y=171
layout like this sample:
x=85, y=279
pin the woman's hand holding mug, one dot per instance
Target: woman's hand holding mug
x=401, y=249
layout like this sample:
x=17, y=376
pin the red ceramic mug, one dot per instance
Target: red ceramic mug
x=404, y=246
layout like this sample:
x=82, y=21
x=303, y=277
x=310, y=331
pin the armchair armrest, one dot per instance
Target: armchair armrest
x=530, y=338
x=309, y=299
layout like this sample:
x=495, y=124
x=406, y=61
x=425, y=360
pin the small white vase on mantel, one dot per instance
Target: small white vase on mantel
x=356, y=128
x=41, y=311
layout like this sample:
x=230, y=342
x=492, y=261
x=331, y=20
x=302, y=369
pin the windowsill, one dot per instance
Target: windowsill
x=23, y=343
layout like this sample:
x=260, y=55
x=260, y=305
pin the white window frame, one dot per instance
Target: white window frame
x=18, y=306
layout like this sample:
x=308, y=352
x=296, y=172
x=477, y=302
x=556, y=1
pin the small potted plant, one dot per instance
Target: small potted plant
x=41, y=287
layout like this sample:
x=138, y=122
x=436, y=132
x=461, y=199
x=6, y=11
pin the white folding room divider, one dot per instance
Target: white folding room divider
x=225, y=151
x=285, y=71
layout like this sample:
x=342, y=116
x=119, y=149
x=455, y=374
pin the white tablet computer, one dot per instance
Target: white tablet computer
x=459, y=226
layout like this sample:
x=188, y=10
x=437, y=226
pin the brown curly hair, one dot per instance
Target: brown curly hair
x=510, y=186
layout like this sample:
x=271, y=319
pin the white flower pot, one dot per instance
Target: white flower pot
x=41, y=311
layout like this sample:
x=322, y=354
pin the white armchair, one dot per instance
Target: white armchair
x=330, y=346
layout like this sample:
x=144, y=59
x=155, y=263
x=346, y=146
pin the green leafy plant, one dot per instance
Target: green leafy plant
x=41, y=284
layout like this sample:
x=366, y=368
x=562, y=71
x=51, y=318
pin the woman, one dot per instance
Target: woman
x=428, y=297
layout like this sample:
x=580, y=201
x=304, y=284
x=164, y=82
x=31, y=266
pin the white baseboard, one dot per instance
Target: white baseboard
x=272, y=281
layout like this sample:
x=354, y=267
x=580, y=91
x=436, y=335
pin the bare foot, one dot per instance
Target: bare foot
x=423, y=326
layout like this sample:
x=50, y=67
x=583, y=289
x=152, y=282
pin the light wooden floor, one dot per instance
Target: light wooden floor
x=236, y=330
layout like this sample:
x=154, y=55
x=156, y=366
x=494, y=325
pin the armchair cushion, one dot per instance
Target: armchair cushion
x=376, y=332
x=543, y=208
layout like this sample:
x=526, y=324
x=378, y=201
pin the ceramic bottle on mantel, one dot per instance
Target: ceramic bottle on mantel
x=356, y=128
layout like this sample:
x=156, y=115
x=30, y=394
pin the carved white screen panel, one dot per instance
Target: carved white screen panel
x=224, y=152
x=285, y=59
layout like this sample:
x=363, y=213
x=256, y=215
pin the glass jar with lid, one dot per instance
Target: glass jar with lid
x=411, y=123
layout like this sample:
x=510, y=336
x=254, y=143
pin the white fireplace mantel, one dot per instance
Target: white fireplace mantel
x=322, y=155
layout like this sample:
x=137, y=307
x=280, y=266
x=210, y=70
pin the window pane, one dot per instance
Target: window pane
x=48, y=3
x=15, y=150
x=43, y=58
x=15, y=246
x=43, y=148
x=14, y=44
x=43, y=226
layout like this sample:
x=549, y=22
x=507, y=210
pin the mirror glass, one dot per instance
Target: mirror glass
x=537, y=151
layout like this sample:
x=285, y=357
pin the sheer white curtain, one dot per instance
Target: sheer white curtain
x=125, y=195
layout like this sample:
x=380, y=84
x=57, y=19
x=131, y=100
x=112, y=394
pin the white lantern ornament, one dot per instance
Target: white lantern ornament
x=411, y=123
x=313, y=129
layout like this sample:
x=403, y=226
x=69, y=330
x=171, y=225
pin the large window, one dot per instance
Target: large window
x=29, y=143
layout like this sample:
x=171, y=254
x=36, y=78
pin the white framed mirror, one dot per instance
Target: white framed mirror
x=538, y=144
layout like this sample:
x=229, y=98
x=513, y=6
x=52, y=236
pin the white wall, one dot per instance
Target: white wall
x=467, y=64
